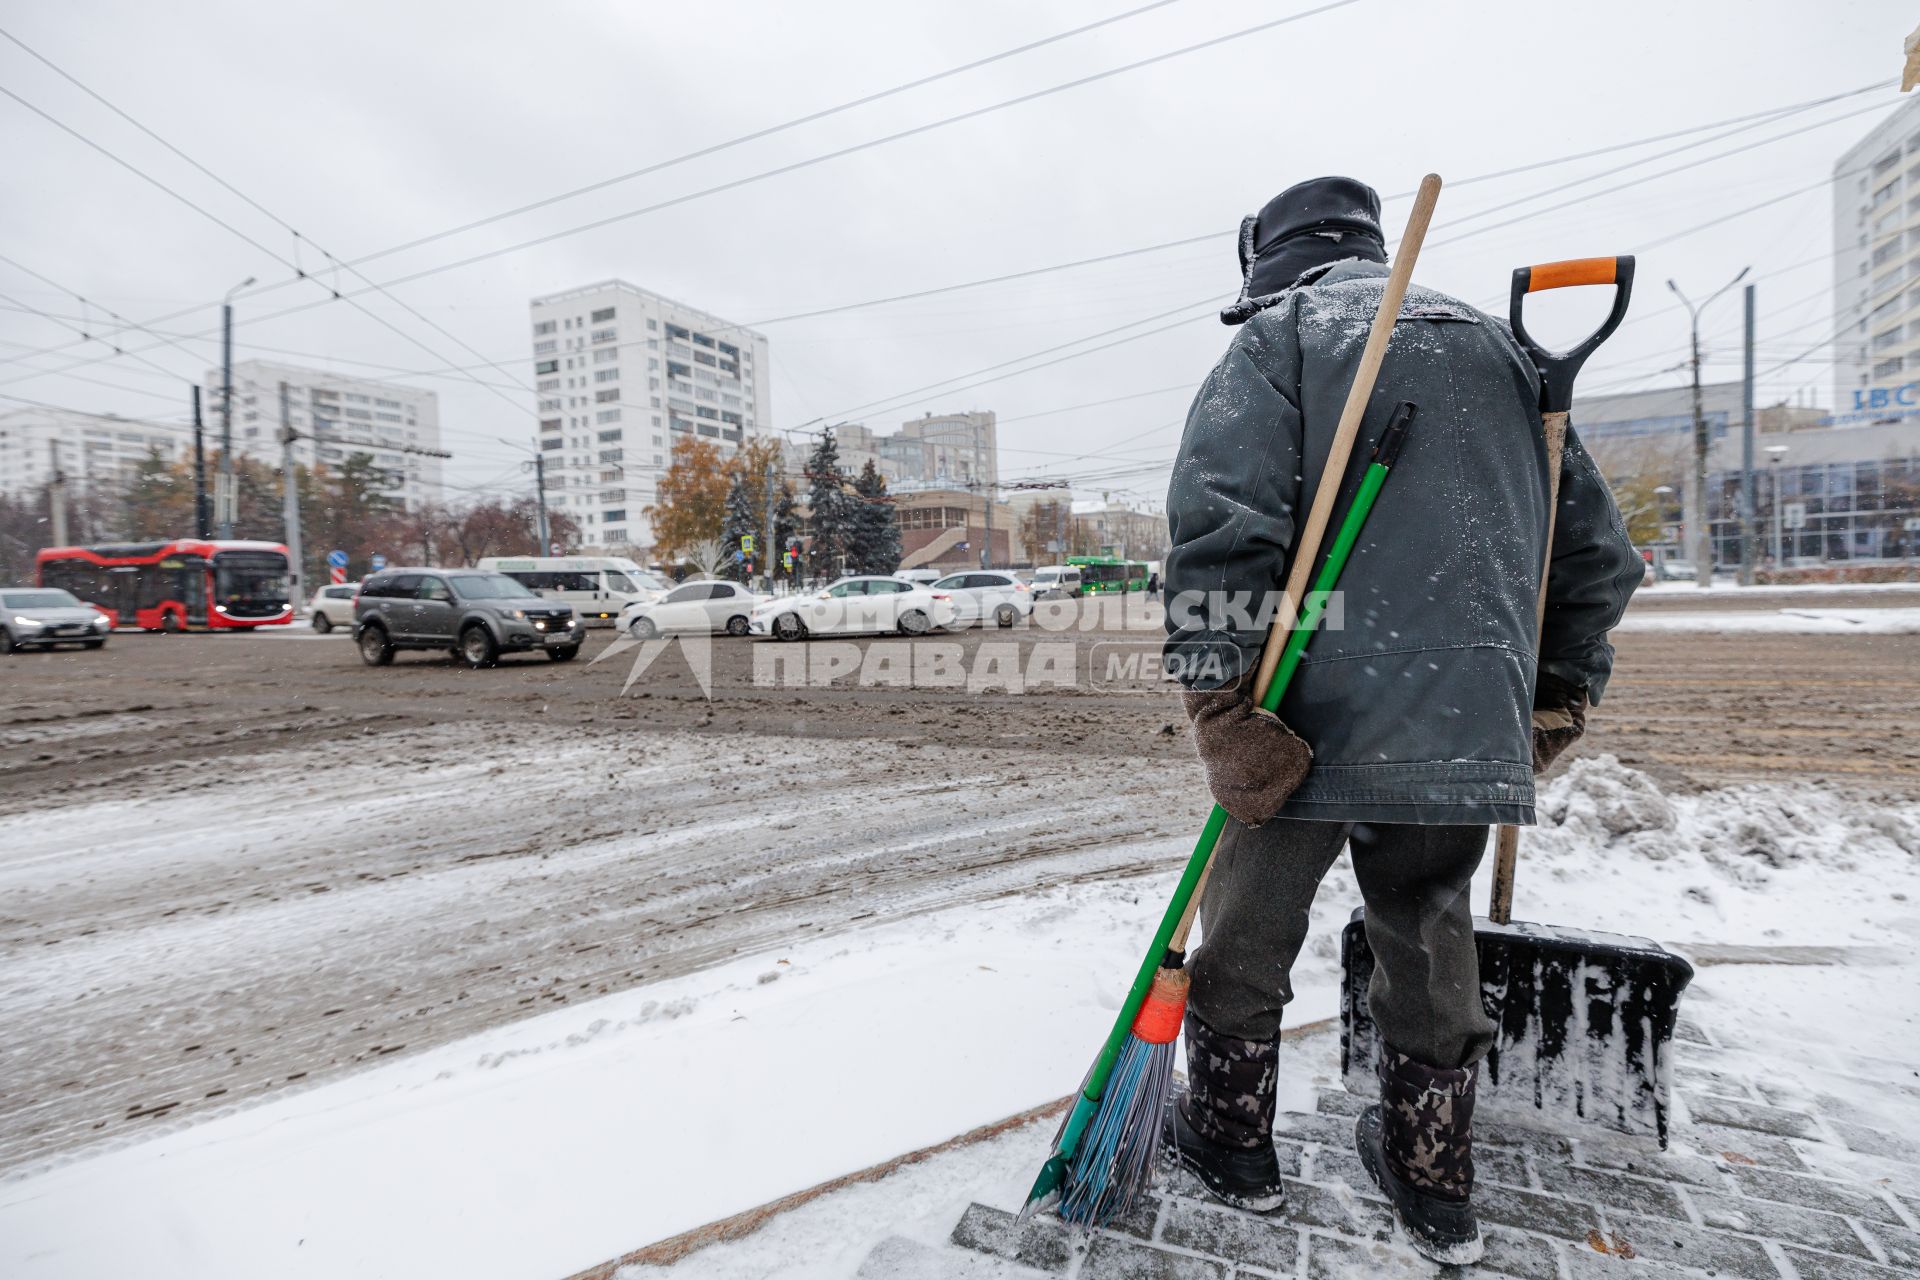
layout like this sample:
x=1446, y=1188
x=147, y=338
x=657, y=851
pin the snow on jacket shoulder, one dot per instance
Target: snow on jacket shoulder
x=1416, y=697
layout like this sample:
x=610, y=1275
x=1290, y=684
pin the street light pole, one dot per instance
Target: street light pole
x=1775, y=453
x=226, y=498
x=1749, y=552
x=1699, y=532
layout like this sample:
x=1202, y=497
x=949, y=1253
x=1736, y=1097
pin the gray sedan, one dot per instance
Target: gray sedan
x=45, y=617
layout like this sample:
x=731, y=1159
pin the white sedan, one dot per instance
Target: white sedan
x=692, y=606
x=988, y=593
x=856, y=606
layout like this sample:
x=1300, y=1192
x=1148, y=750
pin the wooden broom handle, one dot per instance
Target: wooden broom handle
x=1306, y=548
x=1506, y=846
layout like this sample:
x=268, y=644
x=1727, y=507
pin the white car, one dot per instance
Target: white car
x=855, y=606
x=709, y=605
x=920, y=577
x=333, y=607
x=987, y=594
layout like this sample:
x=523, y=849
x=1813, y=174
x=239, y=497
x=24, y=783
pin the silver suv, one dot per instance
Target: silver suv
x=475, y=614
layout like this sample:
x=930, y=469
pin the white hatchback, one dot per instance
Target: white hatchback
x=332, y=606
x=987, y=594
x=856, y=606
x=710, y=605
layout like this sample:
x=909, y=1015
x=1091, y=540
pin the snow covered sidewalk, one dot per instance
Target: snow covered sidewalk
x=552, y=1145
x=1793, y=621
x=1794, y=1159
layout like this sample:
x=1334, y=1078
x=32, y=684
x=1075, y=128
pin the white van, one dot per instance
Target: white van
x=1057, y=579
x=598, y=587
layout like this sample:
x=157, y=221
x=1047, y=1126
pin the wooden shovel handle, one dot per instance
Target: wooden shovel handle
x=1506, y=846
x=1306, y=547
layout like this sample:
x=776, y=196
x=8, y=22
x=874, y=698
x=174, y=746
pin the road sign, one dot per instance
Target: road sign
x=1794, y=515
x=378, y=561
x=336, y=559
x=336, y=575
x=555, y=549
x=746, y=543
x=1911, y=524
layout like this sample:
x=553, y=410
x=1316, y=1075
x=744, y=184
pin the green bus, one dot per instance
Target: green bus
x=1106, y=573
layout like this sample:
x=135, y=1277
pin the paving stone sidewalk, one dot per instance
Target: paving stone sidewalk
x=1790, y=1161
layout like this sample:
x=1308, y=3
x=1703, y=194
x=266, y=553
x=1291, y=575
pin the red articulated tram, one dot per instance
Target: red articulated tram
x=190, y=583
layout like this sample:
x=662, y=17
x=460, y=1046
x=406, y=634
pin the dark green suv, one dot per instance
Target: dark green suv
x=475, y=614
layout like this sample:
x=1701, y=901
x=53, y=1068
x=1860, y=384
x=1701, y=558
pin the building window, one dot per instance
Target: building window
x=608, y=437
x=550, y=445
x=607, y=397
x=606, y=355
x=606, y=375
x=606, y=335
x=602, y=315
x=611, y=455
x=550, y=406
x=607, y=415
x=546, y=366
x=543, y=328
x=701, y=411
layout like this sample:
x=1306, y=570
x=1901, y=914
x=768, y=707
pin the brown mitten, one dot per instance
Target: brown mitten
x=1559, y=718
x=1253, y=761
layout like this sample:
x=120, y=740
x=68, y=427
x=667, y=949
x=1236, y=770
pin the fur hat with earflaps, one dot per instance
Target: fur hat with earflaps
x=1313, y=224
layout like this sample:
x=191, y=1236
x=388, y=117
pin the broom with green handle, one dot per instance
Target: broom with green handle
x=1103, y=1155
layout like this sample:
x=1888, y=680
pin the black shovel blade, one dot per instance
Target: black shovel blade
x=1583, y=1025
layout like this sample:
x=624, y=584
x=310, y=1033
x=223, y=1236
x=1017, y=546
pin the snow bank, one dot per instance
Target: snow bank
x=1859, y=622
x=573, y=1137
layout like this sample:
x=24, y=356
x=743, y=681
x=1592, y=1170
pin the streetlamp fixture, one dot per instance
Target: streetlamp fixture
x=1699, y=533
x=227, y=497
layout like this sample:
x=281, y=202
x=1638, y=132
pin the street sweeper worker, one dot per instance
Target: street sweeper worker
x=1419, y=717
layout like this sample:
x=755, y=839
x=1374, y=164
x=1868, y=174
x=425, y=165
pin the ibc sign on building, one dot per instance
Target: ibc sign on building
x=1905, y=396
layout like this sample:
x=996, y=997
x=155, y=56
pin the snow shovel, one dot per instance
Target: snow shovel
x=1583, y=1020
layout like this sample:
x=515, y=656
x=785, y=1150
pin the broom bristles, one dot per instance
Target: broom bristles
x=1114, y=1165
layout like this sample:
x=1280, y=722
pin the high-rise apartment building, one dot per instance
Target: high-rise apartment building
x=621, y=374
x=1876, y=263
x=94, y=451
x=932, y=452
x=335, y=416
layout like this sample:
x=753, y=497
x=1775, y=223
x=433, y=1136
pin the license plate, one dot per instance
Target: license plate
x=558, y=637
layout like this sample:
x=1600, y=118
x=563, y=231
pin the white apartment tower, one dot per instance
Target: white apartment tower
x=621, y=374
x=335, y=416
x=1876, y=264
x=92, y=450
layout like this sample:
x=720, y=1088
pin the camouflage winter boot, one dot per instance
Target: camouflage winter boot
x=1417, y=1146
x=1222, y=1126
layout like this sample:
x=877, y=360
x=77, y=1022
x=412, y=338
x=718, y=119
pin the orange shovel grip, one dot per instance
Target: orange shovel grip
x=1560, y=275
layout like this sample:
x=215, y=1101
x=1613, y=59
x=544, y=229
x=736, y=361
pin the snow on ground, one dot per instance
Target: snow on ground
x=1859, y=622
x=558, y=1142
x=1729, y=586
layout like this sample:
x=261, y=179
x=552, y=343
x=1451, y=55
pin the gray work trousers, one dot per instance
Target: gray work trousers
x=1425, y=993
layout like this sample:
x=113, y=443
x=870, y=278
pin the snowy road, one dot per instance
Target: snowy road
x=231, y=868
x=167, y=955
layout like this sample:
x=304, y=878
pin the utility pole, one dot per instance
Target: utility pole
x=228, y=494
x=545, y=547
x=769, y=553
x=1699, y=531
x=57, y=497
x=290, y=500
x=201, y=516
x=1749, y=547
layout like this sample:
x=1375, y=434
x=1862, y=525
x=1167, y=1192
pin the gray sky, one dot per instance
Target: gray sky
x=369, y=125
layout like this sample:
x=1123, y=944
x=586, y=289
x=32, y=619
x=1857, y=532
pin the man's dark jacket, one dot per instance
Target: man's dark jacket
x=1418, y=708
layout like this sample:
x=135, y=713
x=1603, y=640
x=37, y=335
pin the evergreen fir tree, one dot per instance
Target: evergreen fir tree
x=874, y=546
x=786, y=530
x=830, y=510
x=742, y=521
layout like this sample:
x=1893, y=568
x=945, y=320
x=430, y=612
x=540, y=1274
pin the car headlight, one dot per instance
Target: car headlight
x=515, y=613
x=19, y=621
x=100, y=623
